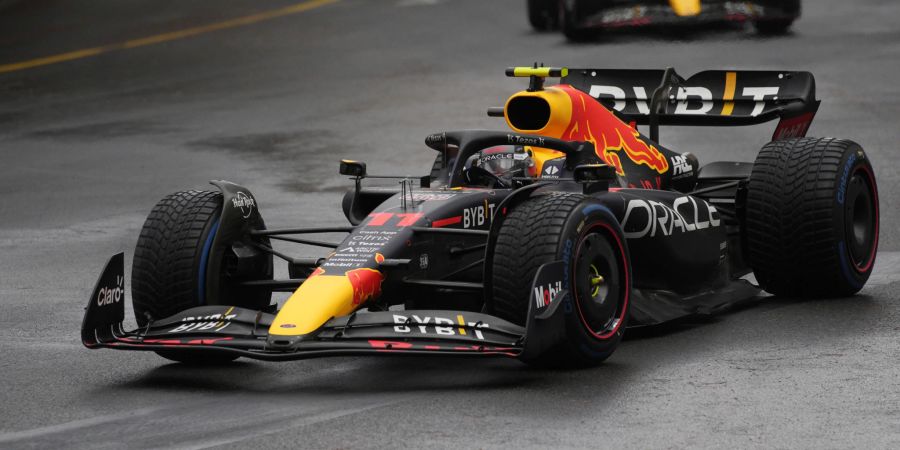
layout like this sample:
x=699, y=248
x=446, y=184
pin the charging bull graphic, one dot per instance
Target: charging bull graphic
x=366, y=284
x=574, y=115
x=610, y=136
x=325, y=295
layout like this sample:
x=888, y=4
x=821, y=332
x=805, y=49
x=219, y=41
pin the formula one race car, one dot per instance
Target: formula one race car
x=540, y=243
x=580, y=19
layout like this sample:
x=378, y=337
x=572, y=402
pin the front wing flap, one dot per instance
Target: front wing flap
x=245, y=332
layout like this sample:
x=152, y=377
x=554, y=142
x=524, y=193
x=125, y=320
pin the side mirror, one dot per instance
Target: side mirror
x=594, y=177
x=353, y=168
x=591, y=173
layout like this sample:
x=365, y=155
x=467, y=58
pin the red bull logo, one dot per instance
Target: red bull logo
x=366, y=284
x=610, y=136
x=323, y=296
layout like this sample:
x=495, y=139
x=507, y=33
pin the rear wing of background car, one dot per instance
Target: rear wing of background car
x=708, y=98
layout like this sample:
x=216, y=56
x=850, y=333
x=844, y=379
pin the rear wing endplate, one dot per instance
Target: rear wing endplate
x=708, y=98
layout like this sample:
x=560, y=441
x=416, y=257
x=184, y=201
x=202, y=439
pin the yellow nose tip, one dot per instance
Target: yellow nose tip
x=684, y=8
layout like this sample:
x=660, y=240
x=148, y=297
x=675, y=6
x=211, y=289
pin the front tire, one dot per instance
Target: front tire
x=582, y=232
x=170, y=266
x=812, y=218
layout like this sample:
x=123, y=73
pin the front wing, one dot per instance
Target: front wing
x=245, y=332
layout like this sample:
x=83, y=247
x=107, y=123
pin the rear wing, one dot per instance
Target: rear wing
x=708, y=98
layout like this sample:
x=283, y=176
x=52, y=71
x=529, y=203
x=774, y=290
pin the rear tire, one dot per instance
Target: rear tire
x=569, y=21
x=543, y=14
x=773, y=27
x=812, y=218
x=170, y=262
x=581, y=231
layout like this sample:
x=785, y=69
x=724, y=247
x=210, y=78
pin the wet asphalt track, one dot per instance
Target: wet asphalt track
x=89, y=145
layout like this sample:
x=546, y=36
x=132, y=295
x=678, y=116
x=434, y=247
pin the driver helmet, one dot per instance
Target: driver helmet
x=505, y=161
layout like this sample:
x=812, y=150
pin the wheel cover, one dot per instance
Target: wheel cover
x=600, y=281
x=861, y=220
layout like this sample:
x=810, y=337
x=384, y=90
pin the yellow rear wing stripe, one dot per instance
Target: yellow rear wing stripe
x=730, y=82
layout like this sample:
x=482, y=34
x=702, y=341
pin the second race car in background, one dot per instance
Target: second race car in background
x=580, y=19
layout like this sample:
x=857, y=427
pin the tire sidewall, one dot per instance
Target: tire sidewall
x=568, y=17
x=852, y=162
x=592, y=216
x=543, y=14
x=202, y=270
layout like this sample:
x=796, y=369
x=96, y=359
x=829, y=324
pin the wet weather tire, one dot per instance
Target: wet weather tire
x=773, y=27
x=167, y=257
x=583, y=233
x=170, y=262
x=812, y=218
x=569, y=21
x=543, y=14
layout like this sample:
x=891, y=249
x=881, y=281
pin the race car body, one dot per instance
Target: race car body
x=577, y=18
x=541, y=243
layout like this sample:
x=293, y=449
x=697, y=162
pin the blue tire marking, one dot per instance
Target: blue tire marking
x=204, y=257
x=595, y=207
x=845, y=179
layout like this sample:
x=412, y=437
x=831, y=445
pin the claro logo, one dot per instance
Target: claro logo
x=110, y=295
